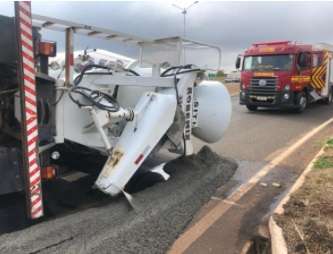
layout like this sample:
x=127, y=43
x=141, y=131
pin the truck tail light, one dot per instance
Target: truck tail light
x=48, y=49
x=49, y=173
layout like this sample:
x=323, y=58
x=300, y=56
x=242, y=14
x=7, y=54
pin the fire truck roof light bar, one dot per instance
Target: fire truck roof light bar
x=271, y=43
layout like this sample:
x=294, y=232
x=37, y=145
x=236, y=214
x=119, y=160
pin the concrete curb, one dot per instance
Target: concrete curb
x=278, y=242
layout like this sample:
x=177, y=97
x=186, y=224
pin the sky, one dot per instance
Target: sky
x=231, y=25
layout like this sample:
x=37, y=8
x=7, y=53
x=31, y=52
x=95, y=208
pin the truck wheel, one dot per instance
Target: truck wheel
x=302, y=102
x=329, y=98
x=252, y=107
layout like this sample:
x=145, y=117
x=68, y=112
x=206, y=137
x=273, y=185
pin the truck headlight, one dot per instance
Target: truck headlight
x=286, y=96
x=287, y=88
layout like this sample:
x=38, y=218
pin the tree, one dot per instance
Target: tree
x=220, y=73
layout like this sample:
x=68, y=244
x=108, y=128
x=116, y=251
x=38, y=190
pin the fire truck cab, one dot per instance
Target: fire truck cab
x=285, y=74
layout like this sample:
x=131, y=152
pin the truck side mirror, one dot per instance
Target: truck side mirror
x=238, y=62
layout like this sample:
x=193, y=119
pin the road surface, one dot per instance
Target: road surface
x=163, y=211
x=255, y=140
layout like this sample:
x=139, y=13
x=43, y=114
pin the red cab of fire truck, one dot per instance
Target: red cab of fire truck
x=284, y=74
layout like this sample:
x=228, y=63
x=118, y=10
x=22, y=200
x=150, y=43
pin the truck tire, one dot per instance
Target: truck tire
x=302, y=102
x=252, y=107
x=329, y=98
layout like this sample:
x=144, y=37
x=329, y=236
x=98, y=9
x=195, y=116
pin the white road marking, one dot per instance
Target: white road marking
x=246, y=247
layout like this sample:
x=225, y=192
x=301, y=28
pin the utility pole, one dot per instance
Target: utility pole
x=184, y=11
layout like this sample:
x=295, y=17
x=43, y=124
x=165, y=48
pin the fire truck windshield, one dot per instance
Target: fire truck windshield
x=268, y=63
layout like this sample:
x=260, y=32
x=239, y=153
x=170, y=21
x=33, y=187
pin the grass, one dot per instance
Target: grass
x=324, y=162
x=330, y=142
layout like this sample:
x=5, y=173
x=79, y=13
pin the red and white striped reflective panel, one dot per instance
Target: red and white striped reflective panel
x=23, y=12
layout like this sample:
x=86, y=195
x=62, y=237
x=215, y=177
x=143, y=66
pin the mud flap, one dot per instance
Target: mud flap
x=10, y=170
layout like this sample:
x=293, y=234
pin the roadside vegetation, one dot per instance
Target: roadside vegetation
x=307, y=221
x=220, y=76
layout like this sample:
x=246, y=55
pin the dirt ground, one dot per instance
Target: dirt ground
x=307, y=222
x=233, y=88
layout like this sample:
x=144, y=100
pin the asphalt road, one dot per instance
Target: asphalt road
x=254, y=139
x=254, y=136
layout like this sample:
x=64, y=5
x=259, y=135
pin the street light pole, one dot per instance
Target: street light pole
x=184, y=12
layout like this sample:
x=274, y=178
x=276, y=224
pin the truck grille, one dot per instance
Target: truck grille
x=258, y=89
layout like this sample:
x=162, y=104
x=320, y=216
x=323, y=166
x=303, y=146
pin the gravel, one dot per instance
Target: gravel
x=161, y=213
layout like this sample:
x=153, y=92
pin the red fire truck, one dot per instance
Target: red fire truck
x=284, y=74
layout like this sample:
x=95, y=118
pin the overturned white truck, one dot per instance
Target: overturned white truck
x=108, y=119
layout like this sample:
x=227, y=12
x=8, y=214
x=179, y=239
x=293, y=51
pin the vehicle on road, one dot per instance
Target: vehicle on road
x=233, y=76
x=285, y=74
x=100, y=117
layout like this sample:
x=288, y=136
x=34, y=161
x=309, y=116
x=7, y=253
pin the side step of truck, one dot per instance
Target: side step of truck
x=315, y=95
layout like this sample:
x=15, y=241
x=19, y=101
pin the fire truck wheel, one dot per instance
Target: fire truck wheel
x=302, y=102
x=252, y=107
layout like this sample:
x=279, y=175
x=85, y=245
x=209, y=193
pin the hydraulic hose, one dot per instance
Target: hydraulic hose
x=96, y=97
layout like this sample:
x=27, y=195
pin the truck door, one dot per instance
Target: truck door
x=304, y=62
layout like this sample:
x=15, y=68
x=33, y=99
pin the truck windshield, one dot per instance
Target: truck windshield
x=268, y=62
